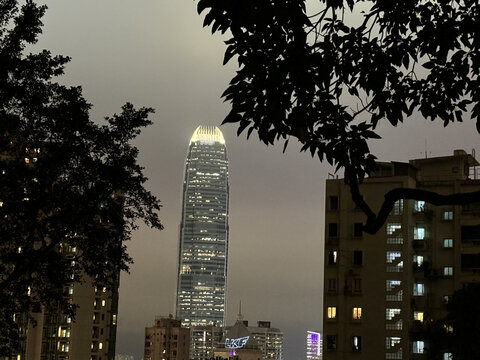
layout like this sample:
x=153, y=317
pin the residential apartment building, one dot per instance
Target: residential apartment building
x=381, y=289
x=167, y=340
x=91, y=335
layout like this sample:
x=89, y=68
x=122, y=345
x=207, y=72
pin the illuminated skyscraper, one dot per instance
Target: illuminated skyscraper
x=203, y=250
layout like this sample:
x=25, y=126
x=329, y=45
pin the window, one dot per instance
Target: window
x=333, y=230
x=393, y=227
x=418, y=347
x=357, y=313
x=391, y=312
x=418, y=289
x=391, y=284
x=398, y=207
x=447, y=271
x=448, y=243
x=332, y=285
x=418, y=260
x=357, y=285
x=392, y=255
x=332, y=257
x=446, y=299
x=331, y=342
x=419, y=206
x=333, y=202
x=357, y=257
x=395, y=240
x=448, y=215
x=391, y=341
x=447, y=356
x=418, y=233
x=357, y=229
x=418, y=315
x=356, y=343
x=395, y=297
x=332, y=312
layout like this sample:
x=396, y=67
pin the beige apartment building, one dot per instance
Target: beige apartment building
x=380, y=290
x=90, y=336
x=167, y=340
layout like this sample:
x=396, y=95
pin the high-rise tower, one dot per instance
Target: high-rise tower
x=203, y=250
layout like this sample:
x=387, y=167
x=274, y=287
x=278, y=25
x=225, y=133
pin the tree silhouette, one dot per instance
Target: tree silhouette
x=300, y=72
x=70, y=189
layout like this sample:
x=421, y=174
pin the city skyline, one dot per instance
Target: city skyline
x=276, y=216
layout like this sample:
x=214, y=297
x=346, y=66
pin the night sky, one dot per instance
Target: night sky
x=156, y=53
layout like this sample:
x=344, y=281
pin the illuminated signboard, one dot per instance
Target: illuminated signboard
x=236, y=343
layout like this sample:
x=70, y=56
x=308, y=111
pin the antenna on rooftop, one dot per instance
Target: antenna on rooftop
x=426, y=150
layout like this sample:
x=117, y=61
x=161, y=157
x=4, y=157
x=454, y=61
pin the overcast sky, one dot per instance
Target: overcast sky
x=156, y=53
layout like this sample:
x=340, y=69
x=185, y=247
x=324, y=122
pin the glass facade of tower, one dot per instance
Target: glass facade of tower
x=203, y=250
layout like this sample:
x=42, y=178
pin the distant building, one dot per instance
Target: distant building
x=167, y=340
x=203, y=250
x=269, y=339
x=381, y=290
x=314, y=345
x=203, y=341
x=238, y=343
x=124, y=357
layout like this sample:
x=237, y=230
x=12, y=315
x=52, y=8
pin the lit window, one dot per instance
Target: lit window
x=393, y=227
x=419, y=233
x=392, y=255
x=418, y=347
x=447, y=271
x=391, y=341
x=448, y=243
x=398, y=207
x=332, y=312
x=357, y=313
x=448, y=215
x=391, y=312
x=418, y=259
x=447, y=356
x=418, y=315
x=418, y=289
x=419, y=206
x=391, y=284
x=103, y=302
x=114, y=319
x=332, y=257
x=100, y=345
x=357, y=343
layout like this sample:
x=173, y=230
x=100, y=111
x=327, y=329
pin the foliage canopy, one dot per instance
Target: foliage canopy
x=67, y=183
x=328, y=73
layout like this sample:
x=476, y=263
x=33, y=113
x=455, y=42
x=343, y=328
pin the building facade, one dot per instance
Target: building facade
x=314, y=345
x=380, y=291
x=91, y=335
x=270, y=340
x=167, y=340
x=203, y=249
